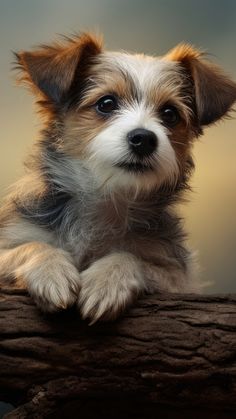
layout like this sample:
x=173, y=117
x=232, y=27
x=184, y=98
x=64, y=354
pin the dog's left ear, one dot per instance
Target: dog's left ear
x=51, y=69
x=214, y=92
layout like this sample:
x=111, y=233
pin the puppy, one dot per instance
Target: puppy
x=93, y=222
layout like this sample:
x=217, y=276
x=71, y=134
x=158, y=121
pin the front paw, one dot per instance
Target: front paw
x=54, y=284
x=107, y=289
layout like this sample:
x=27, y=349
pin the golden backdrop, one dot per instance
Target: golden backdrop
x=151, y=26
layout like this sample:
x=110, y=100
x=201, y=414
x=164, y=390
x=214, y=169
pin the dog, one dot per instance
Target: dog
x=93, y=222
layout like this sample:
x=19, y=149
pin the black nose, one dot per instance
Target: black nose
x=142, y=141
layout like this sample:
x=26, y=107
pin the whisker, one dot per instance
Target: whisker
x=178, y=142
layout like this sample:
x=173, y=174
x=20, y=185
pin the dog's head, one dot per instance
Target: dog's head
x=131, y=119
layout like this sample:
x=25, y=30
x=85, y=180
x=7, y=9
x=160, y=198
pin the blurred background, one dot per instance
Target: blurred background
x=153, y=27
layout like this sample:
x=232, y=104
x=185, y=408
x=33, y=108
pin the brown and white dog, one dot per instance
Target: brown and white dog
x=93, y=223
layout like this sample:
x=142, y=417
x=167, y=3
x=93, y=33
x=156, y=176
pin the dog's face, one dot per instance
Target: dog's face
x=130, y=118
x=133, y=122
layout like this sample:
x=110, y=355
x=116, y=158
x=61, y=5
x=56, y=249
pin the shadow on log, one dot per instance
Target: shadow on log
x=170, y=356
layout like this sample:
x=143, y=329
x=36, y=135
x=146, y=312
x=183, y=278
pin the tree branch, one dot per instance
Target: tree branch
x=169, y=353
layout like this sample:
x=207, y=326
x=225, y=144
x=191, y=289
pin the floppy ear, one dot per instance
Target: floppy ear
x=51, y=69
x=215, y=93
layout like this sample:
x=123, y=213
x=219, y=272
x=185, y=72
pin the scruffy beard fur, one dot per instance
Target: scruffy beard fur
x=93, y=222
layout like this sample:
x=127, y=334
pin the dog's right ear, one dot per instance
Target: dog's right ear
x=51, y=69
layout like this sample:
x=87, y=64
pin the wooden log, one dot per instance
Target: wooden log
x=168, y=356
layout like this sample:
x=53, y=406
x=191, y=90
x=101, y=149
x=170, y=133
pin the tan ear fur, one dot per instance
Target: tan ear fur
x=51, y=69
x=215, y=92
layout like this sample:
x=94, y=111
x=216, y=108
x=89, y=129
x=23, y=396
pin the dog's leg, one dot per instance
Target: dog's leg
x=109, y=285
x=171, y=277
x=47, y=272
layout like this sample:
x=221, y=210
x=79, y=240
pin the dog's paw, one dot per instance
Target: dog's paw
x=107, y=289
x=54, y=284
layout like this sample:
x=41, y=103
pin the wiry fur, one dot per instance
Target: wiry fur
x=80, y=228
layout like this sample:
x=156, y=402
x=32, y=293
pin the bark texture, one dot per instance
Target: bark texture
x=169, y=356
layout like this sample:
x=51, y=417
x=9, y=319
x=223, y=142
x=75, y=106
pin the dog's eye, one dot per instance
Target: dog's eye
x=107, y=104
x=169, y=115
